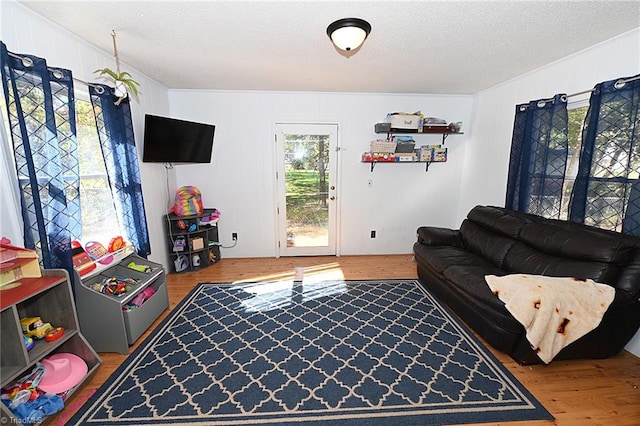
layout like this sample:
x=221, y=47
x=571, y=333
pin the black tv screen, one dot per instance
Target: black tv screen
x=169, y=140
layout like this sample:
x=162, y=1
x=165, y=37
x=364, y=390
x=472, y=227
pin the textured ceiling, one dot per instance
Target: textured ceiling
x=456, y=47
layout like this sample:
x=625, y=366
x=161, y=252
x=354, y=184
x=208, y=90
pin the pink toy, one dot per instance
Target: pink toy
x=143, y=296
x=62, y=371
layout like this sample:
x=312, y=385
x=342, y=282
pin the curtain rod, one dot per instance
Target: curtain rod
x=618, y=84
x=29, y=62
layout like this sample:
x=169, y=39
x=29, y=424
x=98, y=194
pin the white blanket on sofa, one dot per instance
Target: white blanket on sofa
x=555, y=311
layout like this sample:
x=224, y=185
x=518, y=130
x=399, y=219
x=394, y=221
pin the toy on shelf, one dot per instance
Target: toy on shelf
x=34, y=327
x=116, y=244
x=179, y=244
x=185, y=225
x=24, y=390
x=181, y=263
x=16, y=263
x=142, y=297
x=188, y=201
x=115, y=286
x=139, y=267
x=28, y=342
x=211, y=219
x=98, y=252
x=54, y=334
x=82, y=262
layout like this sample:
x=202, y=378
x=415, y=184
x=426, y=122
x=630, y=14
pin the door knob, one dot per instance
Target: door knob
x=332, y=198
x=333, y=187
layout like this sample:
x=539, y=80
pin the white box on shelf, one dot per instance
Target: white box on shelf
x=404, y=121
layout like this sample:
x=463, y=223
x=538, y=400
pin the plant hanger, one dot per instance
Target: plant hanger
x=124, y=82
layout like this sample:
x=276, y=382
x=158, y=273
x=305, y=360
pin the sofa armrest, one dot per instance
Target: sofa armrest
x=434, y=236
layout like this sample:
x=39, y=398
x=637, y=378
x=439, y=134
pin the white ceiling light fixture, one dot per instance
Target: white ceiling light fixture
x=348, y=33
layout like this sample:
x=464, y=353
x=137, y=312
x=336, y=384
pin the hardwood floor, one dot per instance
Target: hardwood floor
x=579, y=392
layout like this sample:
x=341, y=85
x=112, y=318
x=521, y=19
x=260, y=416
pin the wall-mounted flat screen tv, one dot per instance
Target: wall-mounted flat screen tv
x=169, y=140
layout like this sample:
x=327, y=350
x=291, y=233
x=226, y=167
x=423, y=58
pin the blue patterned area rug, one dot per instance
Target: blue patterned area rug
x=329, y=353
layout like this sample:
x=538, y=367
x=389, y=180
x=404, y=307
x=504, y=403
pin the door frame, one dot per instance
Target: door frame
x=278, y=162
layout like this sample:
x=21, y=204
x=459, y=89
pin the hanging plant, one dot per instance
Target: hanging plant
x=123, y=81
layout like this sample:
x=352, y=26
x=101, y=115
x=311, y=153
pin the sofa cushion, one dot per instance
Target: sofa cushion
x=573, y=241
x=499, y=220
x=435, y=236
x=526, y=260
x=485, y=243
x=439, y=258
x=469, y=281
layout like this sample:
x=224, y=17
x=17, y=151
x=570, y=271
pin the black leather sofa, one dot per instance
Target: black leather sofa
x=452, y=264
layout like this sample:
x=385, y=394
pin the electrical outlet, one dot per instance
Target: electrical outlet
x=234, y=236
x=373, y=234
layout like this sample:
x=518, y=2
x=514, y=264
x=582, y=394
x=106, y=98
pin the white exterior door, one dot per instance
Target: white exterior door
x=306, y=186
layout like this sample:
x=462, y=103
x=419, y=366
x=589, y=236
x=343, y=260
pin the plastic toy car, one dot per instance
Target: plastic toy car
x=28, y=342
x=34, y=327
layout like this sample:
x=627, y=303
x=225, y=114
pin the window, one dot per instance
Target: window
x=608, y=188
x=99, y=220
x=577, y=113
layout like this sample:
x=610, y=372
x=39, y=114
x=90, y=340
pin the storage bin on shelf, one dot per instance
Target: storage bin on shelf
x=383, y=145
x=404, y=121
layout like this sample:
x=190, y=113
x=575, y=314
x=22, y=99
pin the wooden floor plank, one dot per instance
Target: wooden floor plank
x=578, y=392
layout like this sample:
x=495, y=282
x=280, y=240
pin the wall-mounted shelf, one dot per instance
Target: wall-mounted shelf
x=374, y=156
x=445, y=131
x=427, y=163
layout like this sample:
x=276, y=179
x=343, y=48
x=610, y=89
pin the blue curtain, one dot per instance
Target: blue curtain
x=538, y=158
x=41, y=114
x=115, y=130
x=606, y=193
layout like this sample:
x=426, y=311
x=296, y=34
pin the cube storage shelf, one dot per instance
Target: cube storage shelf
x=105, y=319
x=50, y=298
x=193, y=241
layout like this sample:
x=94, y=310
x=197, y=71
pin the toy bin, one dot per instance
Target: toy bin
x=137, y=320
x=105, y=319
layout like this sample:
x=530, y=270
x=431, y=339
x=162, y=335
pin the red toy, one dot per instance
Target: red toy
x=116, y=244
x=81, y=260
x=54, y=334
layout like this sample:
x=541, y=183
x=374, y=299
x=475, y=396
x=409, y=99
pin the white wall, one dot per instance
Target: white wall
x=487, y=155
x=26, y=32
x=240, y=181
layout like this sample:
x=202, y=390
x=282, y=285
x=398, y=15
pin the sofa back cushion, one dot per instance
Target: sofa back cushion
x=499, y=220
x=522, y=258
x=485, y=242
x=524, y=243
x=576, y=241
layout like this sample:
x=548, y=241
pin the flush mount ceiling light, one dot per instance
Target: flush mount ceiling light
x=348, y=33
